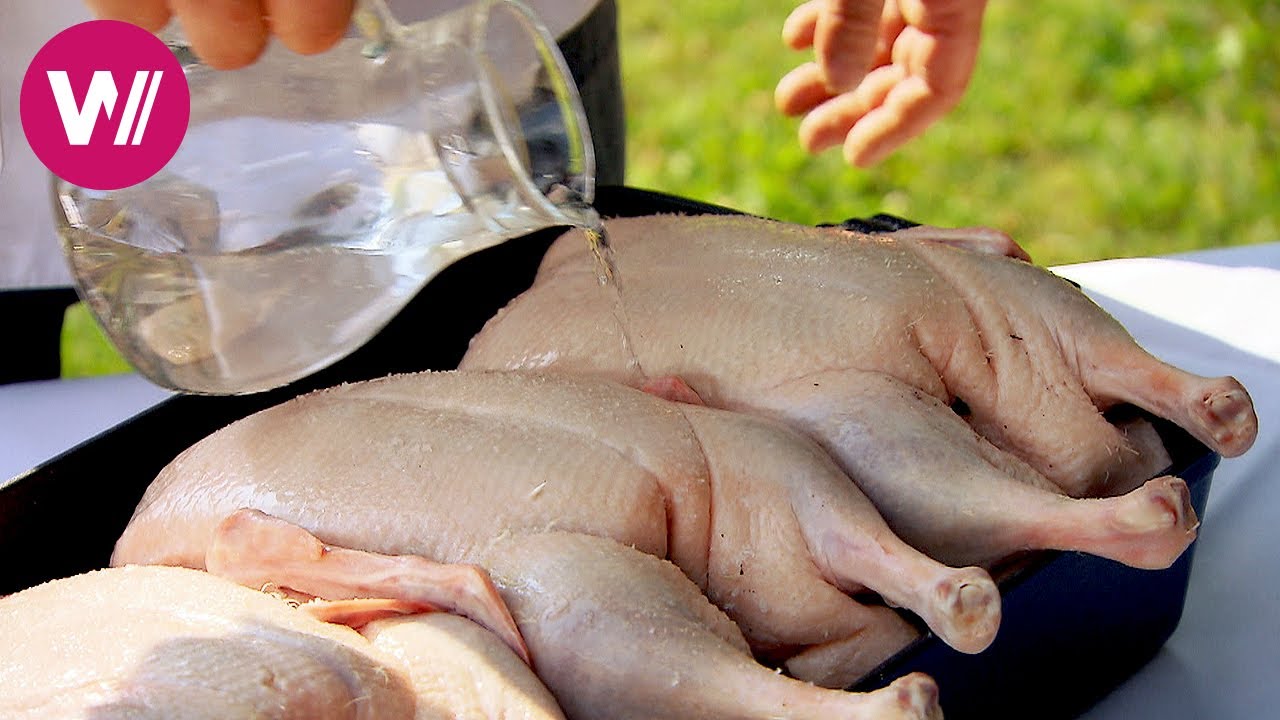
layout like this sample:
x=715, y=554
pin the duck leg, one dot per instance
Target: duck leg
x=953, y=495
x=620, y=634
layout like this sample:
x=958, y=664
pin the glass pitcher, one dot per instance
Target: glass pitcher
x=312, y=197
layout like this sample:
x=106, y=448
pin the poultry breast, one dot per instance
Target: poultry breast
x=963, y=391
x=160, y=642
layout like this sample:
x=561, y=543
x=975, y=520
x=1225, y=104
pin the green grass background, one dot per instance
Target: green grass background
x=1092, y=129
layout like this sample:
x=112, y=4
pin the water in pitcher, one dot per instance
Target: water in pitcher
x=220, y=302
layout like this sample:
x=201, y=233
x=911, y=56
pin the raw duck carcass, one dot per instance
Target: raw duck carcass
x=443, y=465
x=964, y=391
x=173, y=643
x=614, y=632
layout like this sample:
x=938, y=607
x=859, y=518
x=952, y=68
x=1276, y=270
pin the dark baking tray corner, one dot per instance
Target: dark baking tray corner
x=1074, y=627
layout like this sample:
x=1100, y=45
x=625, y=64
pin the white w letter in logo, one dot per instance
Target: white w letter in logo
x=79, y=122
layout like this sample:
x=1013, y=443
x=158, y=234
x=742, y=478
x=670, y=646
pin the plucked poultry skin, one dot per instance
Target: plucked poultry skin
x=613, y=631
x=963, y=391
x=173, y=643
x=440, y=465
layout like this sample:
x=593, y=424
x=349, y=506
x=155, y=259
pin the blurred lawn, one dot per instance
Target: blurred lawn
x=1092, y=129
x=85, y=350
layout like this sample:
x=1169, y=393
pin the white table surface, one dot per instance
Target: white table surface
x=1213, y=313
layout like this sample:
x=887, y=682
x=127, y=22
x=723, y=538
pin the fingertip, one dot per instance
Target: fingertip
x=815, y=143
x=151, y=16
x=798, y=28
x=309, y=28
x=820, y=131
x=155, y=22
x=312, y=43
x=859, y=154
x=806, y=140
x=800, y=90
x=782, y=97
x=221, y=57
x=226, y=35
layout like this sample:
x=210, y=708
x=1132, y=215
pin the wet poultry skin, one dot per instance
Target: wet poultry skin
x=439, y=465
x=965, y=391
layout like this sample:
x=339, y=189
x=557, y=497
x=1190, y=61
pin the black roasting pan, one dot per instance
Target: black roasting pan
x=1074, y=627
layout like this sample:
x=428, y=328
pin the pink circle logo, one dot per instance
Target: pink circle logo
x=105, y=105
